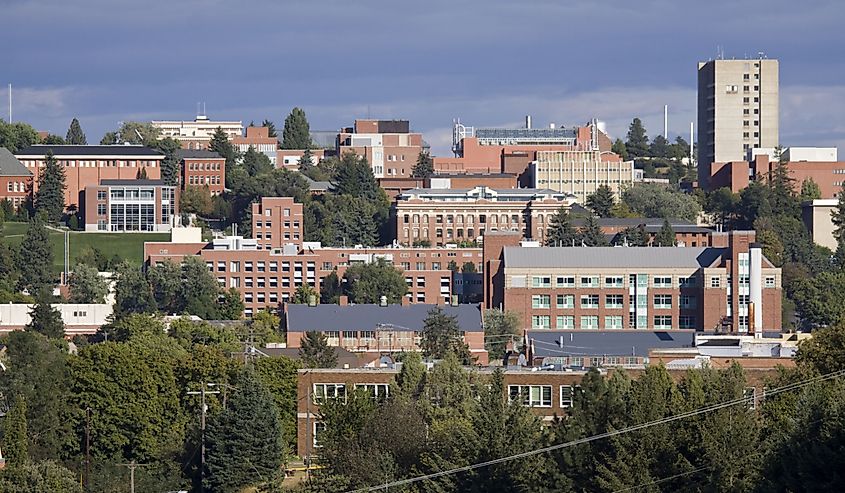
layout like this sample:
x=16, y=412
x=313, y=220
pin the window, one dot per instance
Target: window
x=566, y=282
x=541, y=301
x=687, y=282
x=688, y=302
x=541, y=282
x=662, y=321
x=613, y=322
x=613, y=301
x=663, y=301
x=565, y=322
x=531, y=395
x=101, y=209
x=566, y=396
x=375, y=390
x=590, y=322
x=101, y=194
x=540, y=322
x=326, y=391
x=769, y=282
x=662, y=282
x=319, y=428
x=715, y=282
x=686, y=322
x=614, y=282
x=566, y=301
x=589, y=301
x=590, y=282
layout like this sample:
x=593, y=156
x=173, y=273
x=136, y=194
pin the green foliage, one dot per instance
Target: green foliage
x=620, y=149
x=297, y=133
x=634, y=236
x=330, y=289
x=660, y=147
x=50, y=197
x=271, y=127
x=138, y=133
x=601, y=202
x=196, y=199
x=36, y=257
x=809, y=190
x=86, y=285
x=170, y=164
x=44, y=319
x=654, y=200
x=231, y=306
x=75, y=135
x=45, y=476
x=561, y=232
x=367, y=283
x=17, y=136
x=637, y=143
x=244, y=444
x=355, y=177
x=279, y=376
x=220, y=144
x=304, y=294
x=666, y=236
x=315, y=352
x=15, y=436
x=109, y=138
x=132, y=292
x=424, y=166
x=255, y=162
x=591, y=234
x=500, y=327
x=825, y=351
x=441, y=335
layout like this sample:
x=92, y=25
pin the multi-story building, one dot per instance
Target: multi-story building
x=88, y=165
x=817, y=216
x=197, y=134
x=259, y=139
x=289, y=158
x=267, y=278
x=737, y=111
x=388, y=145
x=580, y=173
x=201, y=167
x=277, y=222
x=727, y=286
x=686, y=233
x=14, y=179
x=379, y=329
x=442, y=216
x=129, y=205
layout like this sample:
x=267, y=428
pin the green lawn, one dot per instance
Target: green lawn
x=129, y=246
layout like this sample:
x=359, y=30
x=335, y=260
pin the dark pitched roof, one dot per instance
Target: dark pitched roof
x=10, y=166
x=137, y=183
x=607, y=342
x=92, y=150
x=303, y=318
x=196, y=154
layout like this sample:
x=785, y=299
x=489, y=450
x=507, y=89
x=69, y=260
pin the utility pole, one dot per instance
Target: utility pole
x=87, y=449
x=203, y=408
x=132, y=466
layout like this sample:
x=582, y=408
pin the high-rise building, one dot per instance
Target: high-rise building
x=737, y=111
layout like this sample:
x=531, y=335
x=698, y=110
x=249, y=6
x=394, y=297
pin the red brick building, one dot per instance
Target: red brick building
x=276, y=222
x=388, y=145
x=87, y=165
x=727, y=286
x=15, y=179
x=259, y=139
x=201, y=167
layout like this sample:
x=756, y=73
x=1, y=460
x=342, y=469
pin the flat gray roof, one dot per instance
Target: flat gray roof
x=551, y=343
x=616, y=257
x=304, y=318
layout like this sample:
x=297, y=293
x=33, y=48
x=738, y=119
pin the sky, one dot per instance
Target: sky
x=487, y=62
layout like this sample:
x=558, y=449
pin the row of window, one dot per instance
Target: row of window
x=204, y=166
x=591, y=301
x=613, y=281
x=259, y=266
x=94, y=164
x=591, y=322
x=204, y=180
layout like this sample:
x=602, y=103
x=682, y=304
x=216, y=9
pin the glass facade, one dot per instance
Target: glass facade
x=133, y=208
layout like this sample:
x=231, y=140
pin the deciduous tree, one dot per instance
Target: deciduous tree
x=367, y=283
x=86, y=285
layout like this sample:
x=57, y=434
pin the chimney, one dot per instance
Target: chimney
x=343, y=300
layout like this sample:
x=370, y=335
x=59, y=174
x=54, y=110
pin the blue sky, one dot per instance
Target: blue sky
x=488, y=62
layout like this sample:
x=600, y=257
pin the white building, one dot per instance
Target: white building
x=197, y=134
x=78, y=318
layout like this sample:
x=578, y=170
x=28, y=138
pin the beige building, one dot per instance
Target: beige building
x=580, y=173
x=442, y=216
x=197, y=134
x=816, y=215
x=737, y=110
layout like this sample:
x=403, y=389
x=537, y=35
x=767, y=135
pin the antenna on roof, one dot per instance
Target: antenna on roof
x=10, y=103
x=203, y=109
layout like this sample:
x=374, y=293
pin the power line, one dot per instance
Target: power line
x=663, y=480
x=580, y=441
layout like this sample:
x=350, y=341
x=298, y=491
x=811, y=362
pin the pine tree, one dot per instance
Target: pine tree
x=660, y=147
x=837, y=217
x=355, y=177
x=50, y=198
x=244, y=442
x=170, y=163
x=36, y=257
x=424, y=167
x=637, y=144
x=591, y=233
x=75, y=135
x=601, y=202
x=15, y=435
x=560, y=232
x=271, y=127
x=45, y=319
x=782, y=188
x=306, y=161
x=620, y=149
x=441, y=335
x=315, y=351
x=297, y=133
x=330, y=290
x=220, y=144
x=666, y=236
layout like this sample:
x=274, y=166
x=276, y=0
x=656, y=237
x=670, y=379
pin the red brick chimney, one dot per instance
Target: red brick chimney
x=343, y=300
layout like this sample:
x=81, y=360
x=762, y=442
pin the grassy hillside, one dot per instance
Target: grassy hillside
x=128, y=246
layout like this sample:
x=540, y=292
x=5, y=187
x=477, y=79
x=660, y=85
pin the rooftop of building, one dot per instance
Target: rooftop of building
x=131, y=183
x=612, y=257
x=10, y=166
x=587, y=343
x=650, y=223
x=525, y=134
x=485, y=192
x=345, y=359
x=196, y=154
x=39, y=150
x=304, y=318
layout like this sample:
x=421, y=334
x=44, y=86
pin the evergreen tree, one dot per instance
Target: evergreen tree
x=75, y=135
x=837, y=217
x=132, y=292
x=680, y=149
x=15, y=435
x=271, y=127
x=256, y=163
x=231, y=306
x=810, y=190
x=591, y=233
x=620, y=149
x=424, y=167
x=330, y=289
x=170, y=164
x=110, y=138
x=782, y=188
x=50, y=197
x=666, y=236
x=221, y=145
x=297, y=133
x=86, y=285
x=499, y=326
x=45, y=319
x=306, y=161
x=633, y=236
x=660, y=147
x=441, y=335
x=355, y=177
x=315, y=351
x=36, y=257
x=561, y=233
x=637, y=143
x=200, y=289
x=601, y=202
x=244, y=442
